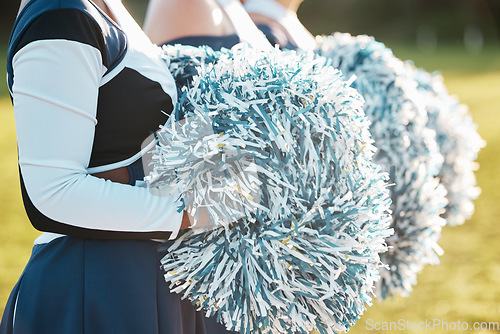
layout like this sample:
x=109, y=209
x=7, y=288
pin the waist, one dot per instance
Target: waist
x=125, y=175
x=119, y=175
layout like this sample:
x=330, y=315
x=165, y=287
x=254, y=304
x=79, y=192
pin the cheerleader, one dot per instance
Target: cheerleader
x=88, y=88
x=279, y=23
x=218, y=24
x=194, y=22
x=426, y=137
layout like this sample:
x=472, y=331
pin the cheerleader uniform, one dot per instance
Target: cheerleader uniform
x=277, y=35
x=285, y=29
x=87, y=92
x=215, y=42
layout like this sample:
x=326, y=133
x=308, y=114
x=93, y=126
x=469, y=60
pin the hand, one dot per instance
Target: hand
x=186, y=221
x=203, y=224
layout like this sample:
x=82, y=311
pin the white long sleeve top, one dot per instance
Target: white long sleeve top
x=87, y=91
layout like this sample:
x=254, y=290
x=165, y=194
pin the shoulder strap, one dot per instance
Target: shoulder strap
x=114, y=39
x=242, y=23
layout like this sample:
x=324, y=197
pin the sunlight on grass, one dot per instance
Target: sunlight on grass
x=466, y=285
x=16, y=233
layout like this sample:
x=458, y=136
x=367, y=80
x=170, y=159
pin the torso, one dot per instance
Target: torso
x=192, y=18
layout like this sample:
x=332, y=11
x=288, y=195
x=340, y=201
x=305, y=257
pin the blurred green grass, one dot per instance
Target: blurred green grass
x=465, y=286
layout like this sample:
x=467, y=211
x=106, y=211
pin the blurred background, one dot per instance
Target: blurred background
x=461, y=39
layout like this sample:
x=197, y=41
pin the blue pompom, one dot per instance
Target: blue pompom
x=275, y=148
x=408, y=150
x=458, y=142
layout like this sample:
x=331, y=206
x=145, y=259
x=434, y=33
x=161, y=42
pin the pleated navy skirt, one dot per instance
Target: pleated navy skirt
x=86, y=286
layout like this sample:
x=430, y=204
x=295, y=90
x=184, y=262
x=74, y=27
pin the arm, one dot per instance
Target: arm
x=55, y=91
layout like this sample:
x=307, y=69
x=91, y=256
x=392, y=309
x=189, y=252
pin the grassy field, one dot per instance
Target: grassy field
x=465, y=287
